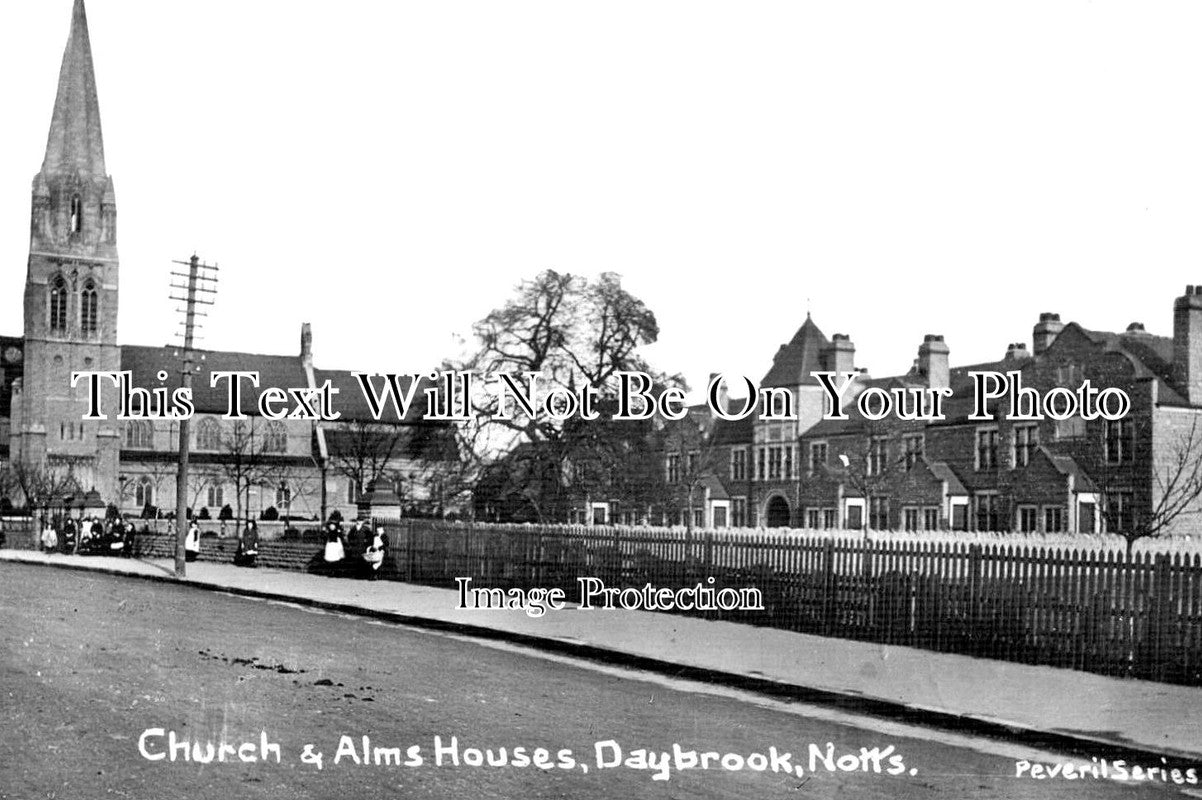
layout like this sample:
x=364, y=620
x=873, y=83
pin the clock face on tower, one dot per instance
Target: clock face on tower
x=12, y=354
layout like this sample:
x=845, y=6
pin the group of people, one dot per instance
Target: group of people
x=246, y=554
x=359, y=551
x=87, y=536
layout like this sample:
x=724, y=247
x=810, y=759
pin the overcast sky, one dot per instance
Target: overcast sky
x=390, y=170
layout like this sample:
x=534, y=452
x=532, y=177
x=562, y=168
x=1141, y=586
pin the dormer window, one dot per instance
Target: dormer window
x=76, y=215
x=58, y=304
x=88, y=305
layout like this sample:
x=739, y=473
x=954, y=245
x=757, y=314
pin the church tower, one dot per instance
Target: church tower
x=70, y=292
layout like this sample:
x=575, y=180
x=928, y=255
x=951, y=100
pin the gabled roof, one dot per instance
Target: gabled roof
x=956, y=407
x=943, y=472
x=795, y=361
x=1067, y=465
x=414, y=443
x=282, y=372
x=75, y=144
x=352, y=403
x=714, y=485
x=1151, y=356
x=733, y=432
x=146, y=362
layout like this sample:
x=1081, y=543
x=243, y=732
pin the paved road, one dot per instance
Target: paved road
x=89, y=663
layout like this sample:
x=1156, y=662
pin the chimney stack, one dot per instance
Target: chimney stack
x=932, y=361
x=1187, y=343
x=723, y=396
x=840, y=355
x=1045, y=331
x=1016, y=351
x=306, y=353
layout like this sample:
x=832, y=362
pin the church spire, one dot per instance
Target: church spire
x=75, y=143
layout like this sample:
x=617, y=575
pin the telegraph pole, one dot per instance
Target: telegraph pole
x=195, y=287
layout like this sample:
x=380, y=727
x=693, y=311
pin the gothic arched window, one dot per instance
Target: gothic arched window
x=139, y=435
x=144, y=493
x=58, y=303
x=275, y=438
x=208, y=434
x=88, y=307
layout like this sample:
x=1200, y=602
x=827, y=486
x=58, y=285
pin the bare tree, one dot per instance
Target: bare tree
x=297, y=483
x=1120, y=457
x=692, y=445
x=362, y=451
x=241, y=461
x=41, y=484
x=9, y=484
x=156, y=472
x=868, y=466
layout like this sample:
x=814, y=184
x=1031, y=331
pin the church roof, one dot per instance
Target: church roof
x=283, y=372
x=75, y=143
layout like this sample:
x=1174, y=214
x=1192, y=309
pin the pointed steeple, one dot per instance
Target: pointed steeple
x=75, y=143
x=795, y=361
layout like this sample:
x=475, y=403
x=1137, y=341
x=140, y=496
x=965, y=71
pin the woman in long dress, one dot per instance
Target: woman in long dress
x=335, y=550
x=49, y=537
x=192, y=543
x=248, y=545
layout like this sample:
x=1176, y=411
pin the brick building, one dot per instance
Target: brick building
x=960, y=473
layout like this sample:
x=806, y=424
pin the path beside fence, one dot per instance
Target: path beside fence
x=1039, y=706
x=1099, y=612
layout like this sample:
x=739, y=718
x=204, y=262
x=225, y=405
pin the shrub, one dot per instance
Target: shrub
x=269, y=514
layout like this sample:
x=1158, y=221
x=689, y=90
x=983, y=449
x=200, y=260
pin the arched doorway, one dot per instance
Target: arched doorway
x=777, y=512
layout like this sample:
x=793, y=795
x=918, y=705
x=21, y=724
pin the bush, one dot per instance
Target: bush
x=269, y=514
x=149, y=511
x=226, y=513
x=204, y=513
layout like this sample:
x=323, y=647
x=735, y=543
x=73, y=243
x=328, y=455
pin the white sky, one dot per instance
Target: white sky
x=389, y=170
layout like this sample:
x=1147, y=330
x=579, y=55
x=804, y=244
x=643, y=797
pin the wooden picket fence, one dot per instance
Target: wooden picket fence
x=1093, y=610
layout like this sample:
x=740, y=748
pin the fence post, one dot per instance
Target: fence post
x=974, y=597
x=828, y=588
x=410, y=551
x=1160, y=621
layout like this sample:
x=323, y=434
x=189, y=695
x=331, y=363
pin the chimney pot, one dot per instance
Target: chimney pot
x=840, y=355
